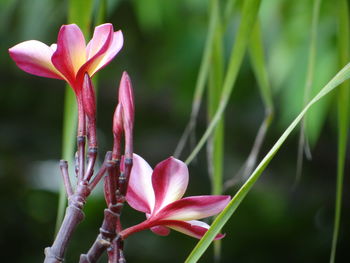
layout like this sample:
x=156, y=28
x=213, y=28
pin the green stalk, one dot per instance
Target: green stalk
x=257, y=58
x=307, y=88
x=202, y=76
x=101, y=12
x=215, y=144
x=249, y=14
x=226, y=214
x=343, y=117
x=79, y=12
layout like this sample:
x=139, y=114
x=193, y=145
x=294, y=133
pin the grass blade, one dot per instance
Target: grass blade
x=343, y=117
x=226, y=214
x=249, y=14
x=257, y=57
x=307, y=88
x=79, y=12
x=202, y=76
x=101, y=12
x=215, y=146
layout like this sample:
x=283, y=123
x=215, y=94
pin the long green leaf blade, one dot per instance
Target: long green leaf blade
x=308, y=86
x=249, y=14
x=343, y=117
x=226, y=214
x=202, y=76
x=215, y=144
x=257, y=58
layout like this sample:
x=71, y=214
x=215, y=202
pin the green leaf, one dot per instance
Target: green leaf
x=308, y=86
x=202, y=76
x=215, y=146
x=226, y=214
x=343, y=117
x=249, y=14
x=257, y=57
x=80, y=13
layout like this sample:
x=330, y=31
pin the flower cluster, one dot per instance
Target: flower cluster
x=157, y=193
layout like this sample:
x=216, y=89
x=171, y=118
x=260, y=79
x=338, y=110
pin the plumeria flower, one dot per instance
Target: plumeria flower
x=70, y=58
x=159, y=194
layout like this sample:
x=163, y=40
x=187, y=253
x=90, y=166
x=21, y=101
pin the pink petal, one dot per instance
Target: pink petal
x=160, y=230
x=53, y=47
x=192, y=228
x=140, y=195
x=96, y=50
x=34, y=57
x=114, y=47
x=99, y=39
x=169, y=180
x=194, y=207
x=70, y=54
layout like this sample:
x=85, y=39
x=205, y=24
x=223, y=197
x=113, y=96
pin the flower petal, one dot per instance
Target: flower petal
x=70, y=54
x=160, y=230
x=34, y=57
x=99, y=39
x=192, y=228
x=114, y=47
x=96, y=49
x=169, y=180
x=194, y=207
x=140, y=195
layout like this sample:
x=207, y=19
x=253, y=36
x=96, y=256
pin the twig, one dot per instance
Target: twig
x=65, y=177
x=74, y=215
x=111, y=215
x=101, y=172
x=92, y=155
x=81, y=157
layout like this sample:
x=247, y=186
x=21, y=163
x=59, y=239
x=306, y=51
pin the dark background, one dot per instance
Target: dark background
x=162, y=51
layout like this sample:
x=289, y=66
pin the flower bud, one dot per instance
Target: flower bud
x=117, y=131
x=126, y=99
x=89, y=102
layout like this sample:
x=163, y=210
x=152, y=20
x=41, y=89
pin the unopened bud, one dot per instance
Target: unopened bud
x=89, y=102
x=118, y=121
x=126, y=99
x=117, y=131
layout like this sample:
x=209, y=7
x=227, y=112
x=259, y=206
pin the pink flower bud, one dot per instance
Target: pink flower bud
x=89, y=100
x=126, y=99
x=117, y=131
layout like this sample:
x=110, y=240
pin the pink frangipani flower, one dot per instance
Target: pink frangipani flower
x=70, y=58
x=159, y=194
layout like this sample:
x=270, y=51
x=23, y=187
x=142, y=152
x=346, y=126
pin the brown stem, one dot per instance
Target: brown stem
x=101, y=172
x=81, y=157
x=91, y=132
x=81, y=117
x=74, y=215
x=124, y=177
x=111, y=181
x=65, y=176
x=111, y=216
x=134, y=229
x=92, y=154
x=103, y=240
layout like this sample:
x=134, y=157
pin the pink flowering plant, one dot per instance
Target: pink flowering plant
x=127, y=177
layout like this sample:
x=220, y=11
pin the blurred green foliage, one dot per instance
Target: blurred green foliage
x=164, y=41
